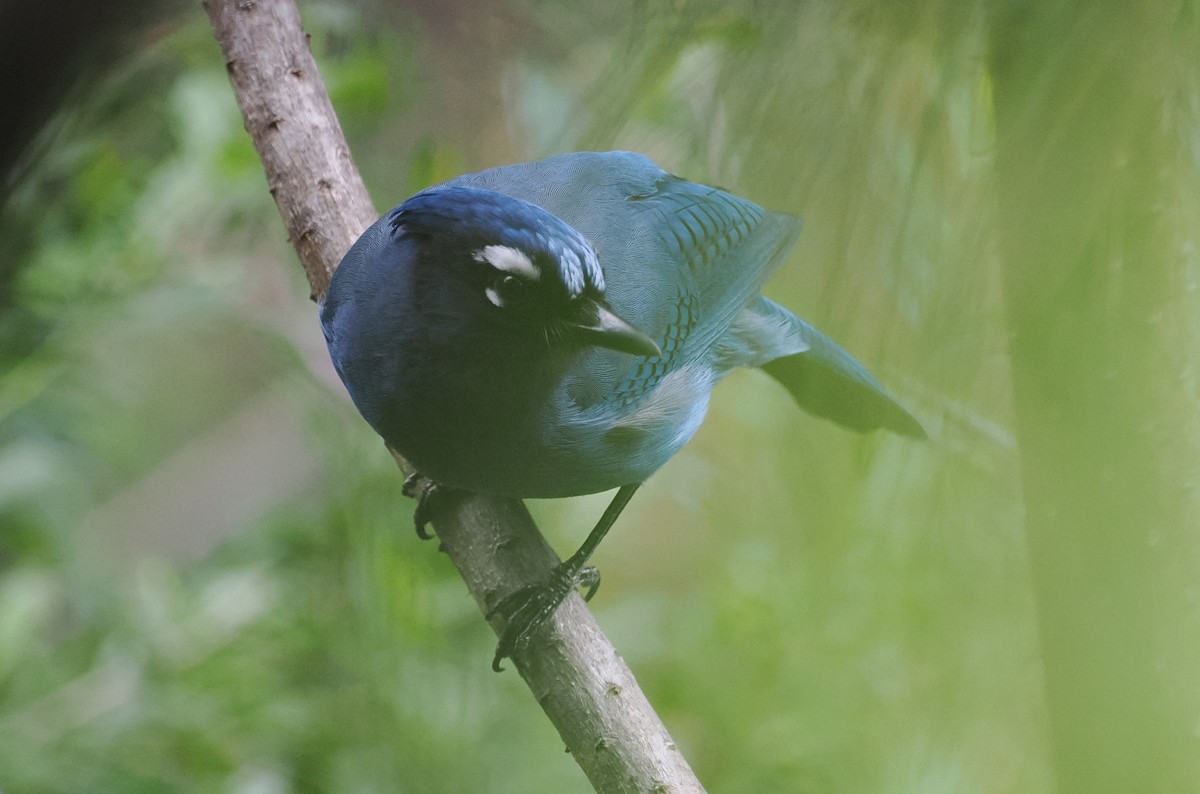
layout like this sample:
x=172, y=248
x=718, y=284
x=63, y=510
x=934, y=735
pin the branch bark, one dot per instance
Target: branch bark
x=570, y=666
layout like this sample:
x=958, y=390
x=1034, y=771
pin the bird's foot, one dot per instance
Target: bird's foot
x=589, y=577
x=431, y=499
x=527, y=609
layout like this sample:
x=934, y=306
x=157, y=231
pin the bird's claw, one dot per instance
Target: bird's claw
x=431, y=499
x=589, y=577
x=528, y=608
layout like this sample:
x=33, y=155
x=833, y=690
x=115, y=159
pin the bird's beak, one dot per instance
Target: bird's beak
x=596, y=324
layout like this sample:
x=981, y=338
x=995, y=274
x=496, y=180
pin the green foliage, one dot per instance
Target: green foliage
x=209, y=580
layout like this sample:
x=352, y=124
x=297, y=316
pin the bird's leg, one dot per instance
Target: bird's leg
x=529, y=607
x=430, y=497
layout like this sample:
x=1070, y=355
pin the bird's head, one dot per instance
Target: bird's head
x=511, y=267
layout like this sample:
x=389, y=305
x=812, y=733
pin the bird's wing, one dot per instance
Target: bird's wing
x=720, y=248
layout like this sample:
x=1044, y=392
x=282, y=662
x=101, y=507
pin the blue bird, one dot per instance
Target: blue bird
x=555, y=328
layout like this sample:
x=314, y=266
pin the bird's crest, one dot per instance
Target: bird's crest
x=508, y=233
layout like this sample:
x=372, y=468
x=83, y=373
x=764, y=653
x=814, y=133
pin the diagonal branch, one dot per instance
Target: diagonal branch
x=570, y=666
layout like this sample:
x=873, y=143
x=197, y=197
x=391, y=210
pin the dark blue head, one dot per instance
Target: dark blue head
x=509, y=234
x=507, y=269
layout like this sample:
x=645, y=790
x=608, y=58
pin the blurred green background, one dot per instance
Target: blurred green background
x=209, y=579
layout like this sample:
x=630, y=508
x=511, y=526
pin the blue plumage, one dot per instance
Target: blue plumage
x=489, y=398
x=555, y=328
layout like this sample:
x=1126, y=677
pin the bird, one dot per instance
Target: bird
x=555, y=328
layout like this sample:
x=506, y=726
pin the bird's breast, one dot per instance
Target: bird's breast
x=621, y=440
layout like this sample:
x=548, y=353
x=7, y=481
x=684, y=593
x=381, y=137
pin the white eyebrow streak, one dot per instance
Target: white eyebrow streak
x=510, y=260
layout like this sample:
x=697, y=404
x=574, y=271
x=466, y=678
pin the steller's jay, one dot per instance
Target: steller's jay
x=554, y=328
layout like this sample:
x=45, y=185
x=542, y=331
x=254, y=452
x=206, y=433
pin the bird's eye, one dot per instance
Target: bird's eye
x=506, y=289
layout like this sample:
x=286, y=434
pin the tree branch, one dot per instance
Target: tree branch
x=573, y=671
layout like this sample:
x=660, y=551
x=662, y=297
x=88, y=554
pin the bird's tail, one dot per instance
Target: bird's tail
x=828, y=382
